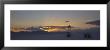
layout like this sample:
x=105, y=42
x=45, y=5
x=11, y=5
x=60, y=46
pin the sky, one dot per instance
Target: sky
x=77, y=18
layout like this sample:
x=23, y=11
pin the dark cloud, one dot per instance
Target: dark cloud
x=96, y=22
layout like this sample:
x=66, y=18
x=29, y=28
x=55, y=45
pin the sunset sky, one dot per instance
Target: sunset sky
x=77, y=18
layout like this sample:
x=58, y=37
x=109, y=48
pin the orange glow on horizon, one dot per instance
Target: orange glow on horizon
x=54, y=30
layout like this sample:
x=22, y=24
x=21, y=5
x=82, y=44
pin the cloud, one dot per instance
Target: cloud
x=96, y=22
